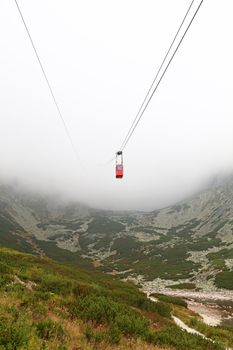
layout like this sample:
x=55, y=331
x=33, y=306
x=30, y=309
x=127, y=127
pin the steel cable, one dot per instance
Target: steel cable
x=159, y=70
x=135, y=123
x=48, y=83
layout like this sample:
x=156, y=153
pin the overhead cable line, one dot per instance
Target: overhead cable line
x=159, y=70
x=48, y=83
x=135, y=123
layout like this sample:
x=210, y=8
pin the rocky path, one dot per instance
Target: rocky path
x=182, y=325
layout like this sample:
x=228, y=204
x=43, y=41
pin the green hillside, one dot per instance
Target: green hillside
x=46, y=305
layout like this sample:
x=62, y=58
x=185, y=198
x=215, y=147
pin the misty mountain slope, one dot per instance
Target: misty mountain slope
x=28, y=218
x=198, y=231
x=191, y=242
x=207, y=211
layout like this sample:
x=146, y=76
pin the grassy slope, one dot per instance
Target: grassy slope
x=45, y=305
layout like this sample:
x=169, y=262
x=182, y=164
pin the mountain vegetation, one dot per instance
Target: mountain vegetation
x=46, y=305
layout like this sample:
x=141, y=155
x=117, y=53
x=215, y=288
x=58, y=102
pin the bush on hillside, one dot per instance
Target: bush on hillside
x=161, y=308
x=170, y=299
x=111, y=335
x=56, y=284
x=48, y=329
x=14, y=332
x=102, y=310
x=182, y=340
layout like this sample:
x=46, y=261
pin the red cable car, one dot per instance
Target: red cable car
x=119, y=165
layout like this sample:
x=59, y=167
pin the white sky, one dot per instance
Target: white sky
x=101, y=57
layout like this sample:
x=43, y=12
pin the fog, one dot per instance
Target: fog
x=101, y=57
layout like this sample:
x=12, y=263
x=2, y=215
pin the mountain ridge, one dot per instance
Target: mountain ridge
x=193, y=239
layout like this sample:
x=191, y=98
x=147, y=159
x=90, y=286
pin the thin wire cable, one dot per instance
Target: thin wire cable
x=157, y=85
x=159, y=70
x=48, y=83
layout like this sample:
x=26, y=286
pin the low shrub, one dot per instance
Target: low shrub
x=13, y=333
x=48, y=329
x=114, y=335
x=103, y=310
x=83, y=290
x=182, y=340
x=170, y=299
x=160, y=307
x=132, y=324
x=111, y=335
x=56, y=284
x=5, y=280
x=5, y=269
x=183, y=286
x=94, y=308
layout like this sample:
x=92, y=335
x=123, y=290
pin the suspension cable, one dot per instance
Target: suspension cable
x=158, y=83
x=47, y=81
x=159, y=70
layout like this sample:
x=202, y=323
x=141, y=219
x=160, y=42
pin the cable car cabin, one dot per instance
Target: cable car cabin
x=119, y=171
x=119, y=165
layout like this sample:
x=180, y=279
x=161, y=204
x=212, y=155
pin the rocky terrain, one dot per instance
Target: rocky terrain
x=188, y=245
